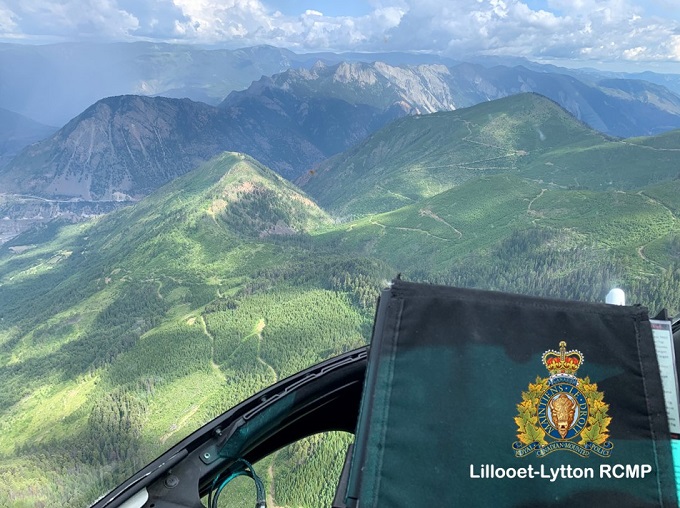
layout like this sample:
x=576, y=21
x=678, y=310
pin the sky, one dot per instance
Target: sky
x=600, y=33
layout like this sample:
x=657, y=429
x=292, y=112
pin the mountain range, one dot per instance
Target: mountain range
x=122, y=334
x=529, y=135
x=124, y=147
x=614, y=106
x=52, y=83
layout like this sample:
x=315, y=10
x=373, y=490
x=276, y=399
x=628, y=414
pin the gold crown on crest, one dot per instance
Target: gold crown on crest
x=562, y=361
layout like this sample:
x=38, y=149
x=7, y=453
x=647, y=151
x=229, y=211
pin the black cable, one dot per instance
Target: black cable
x=261, y=501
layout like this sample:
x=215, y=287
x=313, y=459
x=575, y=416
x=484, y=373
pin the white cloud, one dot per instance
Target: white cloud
x=251, y=22
x=8, y=20
x=217, y=20
x=674, y=47
x=634, y=53
x=597, y=29
x=66, y=18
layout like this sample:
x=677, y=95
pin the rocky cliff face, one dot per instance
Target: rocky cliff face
x=618, y=107
x=414, y=89
x=119, y=148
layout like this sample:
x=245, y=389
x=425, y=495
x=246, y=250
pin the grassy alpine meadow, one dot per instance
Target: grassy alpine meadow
x=120, y=336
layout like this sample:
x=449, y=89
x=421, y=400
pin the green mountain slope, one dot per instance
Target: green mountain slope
x=120, y=336
x=418, y=157
x=472, y=220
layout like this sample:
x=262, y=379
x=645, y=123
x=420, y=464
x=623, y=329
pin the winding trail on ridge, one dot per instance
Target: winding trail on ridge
x=432, y=215
x=271, y=491
x=215, y=367
x=529, y=210
x=641, y=249
x=258, y=331
x=195, y=407
x=372, y=221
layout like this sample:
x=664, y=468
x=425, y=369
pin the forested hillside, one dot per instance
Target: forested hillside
x=120, y=336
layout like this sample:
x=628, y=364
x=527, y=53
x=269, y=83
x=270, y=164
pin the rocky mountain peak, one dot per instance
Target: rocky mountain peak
x=355, y=72
x=120, y=146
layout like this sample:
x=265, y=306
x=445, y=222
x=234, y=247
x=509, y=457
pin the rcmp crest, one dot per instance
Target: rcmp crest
x=562, y=412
